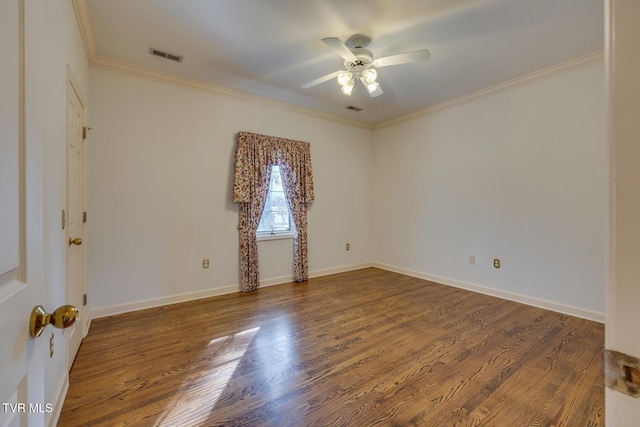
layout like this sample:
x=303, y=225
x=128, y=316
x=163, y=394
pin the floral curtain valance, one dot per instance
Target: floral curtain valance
x=255, y=154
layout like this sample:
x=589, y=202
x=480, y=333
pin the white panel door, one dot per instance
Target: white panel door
x=75, y=286
x=21, y=361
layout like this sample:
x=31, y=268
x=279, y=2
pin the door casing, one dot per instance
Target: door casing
x=75, y=287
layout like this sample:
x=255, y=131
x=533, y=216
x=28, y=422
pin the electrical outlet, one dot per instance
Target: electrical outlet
x=348, y=247
x=205, y=263
x=496, y=263
x=472, y=259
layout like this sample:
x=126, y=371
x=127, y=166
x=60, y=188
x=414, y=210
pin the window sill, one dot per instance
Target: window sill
x=277, y=236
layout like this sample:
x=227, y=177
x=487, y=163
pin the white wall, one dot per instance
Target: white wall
x=520, y=176
x=160, y=191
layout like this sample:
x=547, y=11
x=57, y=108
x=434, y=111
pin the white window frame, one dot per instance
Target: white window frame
x=277, y=235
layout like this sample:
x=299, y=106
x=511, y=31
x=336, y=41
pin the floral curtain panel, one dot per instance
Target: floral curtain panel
x=255, y=154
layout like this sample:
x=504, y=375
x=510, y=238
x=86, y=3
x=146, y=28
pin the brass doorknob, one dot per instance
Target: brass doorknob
x=77, y=241
x=63, y=317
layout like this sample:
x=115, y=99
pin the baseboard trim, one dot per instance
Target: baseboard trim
x=318, y=273
x=52, y=418
x=87, y=325
x=523, y=299
x=97, y=313
x=344, y=269
x=190, y=296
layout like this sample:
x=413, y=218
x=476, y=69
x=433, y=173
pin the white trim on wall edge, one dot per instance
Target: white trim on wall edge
x=510, y=296
x=97, y=313
x=52, y=418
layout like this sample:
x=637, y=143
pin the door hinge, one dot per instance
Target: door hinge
x=84, y=132
x=84, y=217
x=64, y=219
x=84, y=299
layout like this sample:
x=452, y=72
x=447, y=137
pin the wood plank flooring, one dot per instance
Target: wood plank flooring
x=363, y=348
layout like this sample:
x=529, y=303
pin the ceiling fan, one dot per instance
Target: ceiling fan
x=360, y=65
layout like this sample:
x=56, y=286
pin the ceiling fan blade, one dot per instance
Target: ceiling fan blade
x=403, y=58
x=321, y=79
x=340, y=48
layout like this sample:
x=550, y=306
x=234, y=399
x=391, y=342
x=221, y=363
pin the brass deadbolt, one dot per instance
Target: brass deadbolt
x=63, y=317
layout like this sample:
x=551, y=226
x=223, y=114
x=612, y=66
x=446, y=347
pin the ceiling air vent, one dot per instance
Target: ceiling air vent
x=352, y=108
x=162, y=54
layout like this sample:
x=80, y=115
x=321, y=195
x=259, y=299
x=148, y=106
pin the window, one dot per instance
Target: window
x=276, y=219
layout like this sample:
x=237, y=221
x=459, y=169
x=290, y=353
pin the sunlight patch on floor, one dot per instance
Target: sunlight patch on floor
x=197, y=396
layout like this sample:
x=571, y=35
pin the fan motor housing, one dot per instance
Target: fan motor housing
x=365, y=57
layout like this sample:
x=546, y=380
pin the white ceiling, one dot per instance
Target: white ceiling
x=270, y=48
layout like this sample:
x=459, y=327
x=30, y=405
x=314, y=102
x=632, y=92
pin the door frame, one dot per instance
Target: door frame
x=84, y=317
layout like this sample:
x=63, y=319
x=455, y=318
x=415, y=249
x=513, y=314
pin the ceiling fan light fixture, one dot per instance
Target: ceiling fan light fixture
x=347, y=88
x=373, y=88
x=369, y=75
x=359, y=63
x=344, y=78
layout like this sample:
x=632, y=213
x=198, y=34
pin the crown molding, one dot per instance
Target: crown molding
x=171, y=79
x=545, y=73
x=83, y=15
x=85, y=24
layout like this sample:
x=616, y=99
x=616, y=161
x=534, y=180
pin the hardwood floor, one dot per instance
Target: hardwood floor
x=363, y=348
